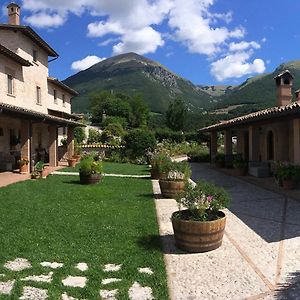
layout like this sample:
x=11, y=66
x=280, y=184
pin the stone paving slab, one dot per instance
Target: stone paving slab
x=260, y=256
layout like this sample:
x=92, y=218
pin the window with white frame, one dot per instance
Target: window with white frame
x=10, y=84
x=38, y=95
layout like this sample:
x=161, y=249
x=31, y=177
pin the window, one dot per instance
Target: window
x=55, y=96
x=34, y=55
x=38, y=95
x=64, y=100
x=10, y=84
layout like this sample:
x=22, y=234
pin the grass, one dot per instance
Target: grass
x=58, y=219
x=118, y=168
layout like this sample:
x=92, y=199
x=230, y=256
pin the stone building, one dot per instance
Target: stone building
x=270, y=135
x=33, y=106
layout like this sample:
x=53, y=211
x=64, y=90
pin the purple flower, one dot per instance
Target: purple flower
x=209, y=198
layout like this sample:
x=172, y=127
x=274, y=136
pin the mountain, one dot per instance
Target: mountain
x=132, y=73
x=259, y=91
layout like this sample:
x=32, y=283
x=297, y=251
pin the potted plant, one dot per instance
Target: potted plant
x=23, y=165
x=77, y=151
x=200, y=227
x=158, y=161
x=288, y=176
x=174, y=176
x=72, y=162
x=90, y=169
x=40, y=169
x=220, y=160
x=241, y=166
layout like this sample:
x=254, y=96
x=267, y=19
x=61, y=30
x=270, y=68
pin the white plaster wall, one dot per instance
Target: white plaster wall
x=28, y=78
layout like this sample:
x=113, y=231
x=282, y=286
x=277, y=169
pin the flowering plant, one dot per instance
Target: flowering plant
x=23, y=161
x=91, y=164
x=202, y=202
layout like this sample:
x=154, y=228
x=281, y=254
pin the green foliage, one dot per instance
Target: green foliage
x=77, y=148
x=115, y=129
x=203, y=201
x=64, y=141
x=79, y=134
x=90, y=164
x=94, y=136
x=162, y=134
x=122, y=108
x=288, y=172
x=220, y=157
x=159, y=159
x=39, y=166
x=113, y=120
x=172, y=170
x=138, y=141
x=176, y=114
x=239, y=163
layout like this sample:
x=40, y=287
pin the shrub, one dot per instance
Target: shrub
x=79, y=134
x=94, y=136
x=175, y=170
x=288, y=172
x=137, y=142
x=239, y=163
x=90, y=164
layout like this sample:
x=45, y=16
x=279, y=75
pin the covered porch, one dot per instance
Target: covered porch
x=270, y=136
x=31, y=136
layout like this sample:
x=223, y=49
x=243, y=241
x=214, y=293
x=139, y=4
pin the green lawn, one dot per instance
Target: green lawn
x=116, y=168
x=58, y=219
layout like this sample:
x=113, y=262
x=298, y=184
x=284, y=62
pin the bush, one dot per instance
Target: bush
x=94, y=136
x=90, y=164
x=79, y=134
x=137, y=142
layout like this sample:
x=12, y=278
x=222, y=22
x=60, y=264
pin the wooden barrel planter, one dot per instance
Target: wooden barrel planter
x=241, y=171
x=170, y=188
x=197, y=236
x=89, y=178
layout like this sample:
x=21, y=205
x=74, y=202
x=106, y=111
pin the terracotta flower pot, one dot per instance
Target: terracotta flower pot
x=72, y=162
x=171, y=188
x=288, y=184
x=77, y=157
x=197, y=236
x=89, y=178
x=24, y=169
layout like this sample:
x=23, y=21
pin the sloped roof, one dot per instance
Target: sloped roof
x=265, y=114
x=29, y=32
x=18, y=59
x=62, y=86
x=30, y=113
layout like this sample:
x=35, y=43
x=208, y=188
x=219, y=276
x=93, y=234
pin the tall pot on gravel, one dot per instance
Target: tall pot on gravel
x=90, y=169
x=174, y=178
x=200, y=227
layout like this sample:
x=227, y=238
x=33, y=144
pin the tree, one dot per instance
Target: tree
x=94, y=136
x=140, y=111
x=79, y=134
x=176, y=115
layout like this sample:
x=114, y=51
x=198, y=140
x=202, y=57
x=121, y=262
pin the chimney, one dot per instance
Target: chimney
x=297, y=93
x=284, y=83
x=13, y=14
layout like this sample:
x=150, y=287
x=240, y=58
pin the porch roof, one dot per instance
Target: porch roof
x=37, y=115
x=266, y=114
x=14, y=56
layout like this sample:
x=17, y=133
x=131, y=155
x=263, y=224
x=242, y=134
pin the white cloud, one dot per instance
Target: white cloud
x=133, y=26
x=241, y=46
x=143, y=41
x=86, y=62
x=236, y=65
x=43, y=20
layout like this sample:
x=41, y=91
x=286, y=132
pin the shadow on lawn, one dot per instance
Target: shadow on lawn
x=165, y=243
x=291, y=289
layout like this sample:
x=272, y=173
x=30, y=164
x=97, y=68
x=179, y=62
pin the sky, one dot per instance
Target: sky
x=209, y=42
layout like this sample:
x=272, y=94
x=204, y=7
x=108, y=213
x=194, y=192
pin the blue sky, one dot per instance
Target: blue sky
x=205, y=41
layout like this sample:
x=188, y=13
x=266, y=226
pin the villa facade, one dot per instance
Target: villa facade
x=270, y=135
x=33, y=106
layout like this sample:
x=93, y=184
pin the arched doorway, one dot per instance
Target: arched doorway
x=270, y=145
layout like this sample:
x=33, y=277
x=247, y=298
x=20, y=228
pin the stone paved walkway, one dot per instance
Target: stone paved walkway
x=260, y=253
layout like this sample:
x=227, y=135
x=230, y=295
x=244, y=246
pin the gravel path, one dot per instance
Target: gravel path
x=260, y=255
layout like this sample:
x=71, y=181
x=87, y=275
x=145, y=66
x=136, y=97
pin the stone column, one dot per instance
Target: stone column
x=253, y=143
x=70, y=141
x=25, y=141
x=52, y=146
x=213, y=145
x=296, y=139
x=227, y=142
